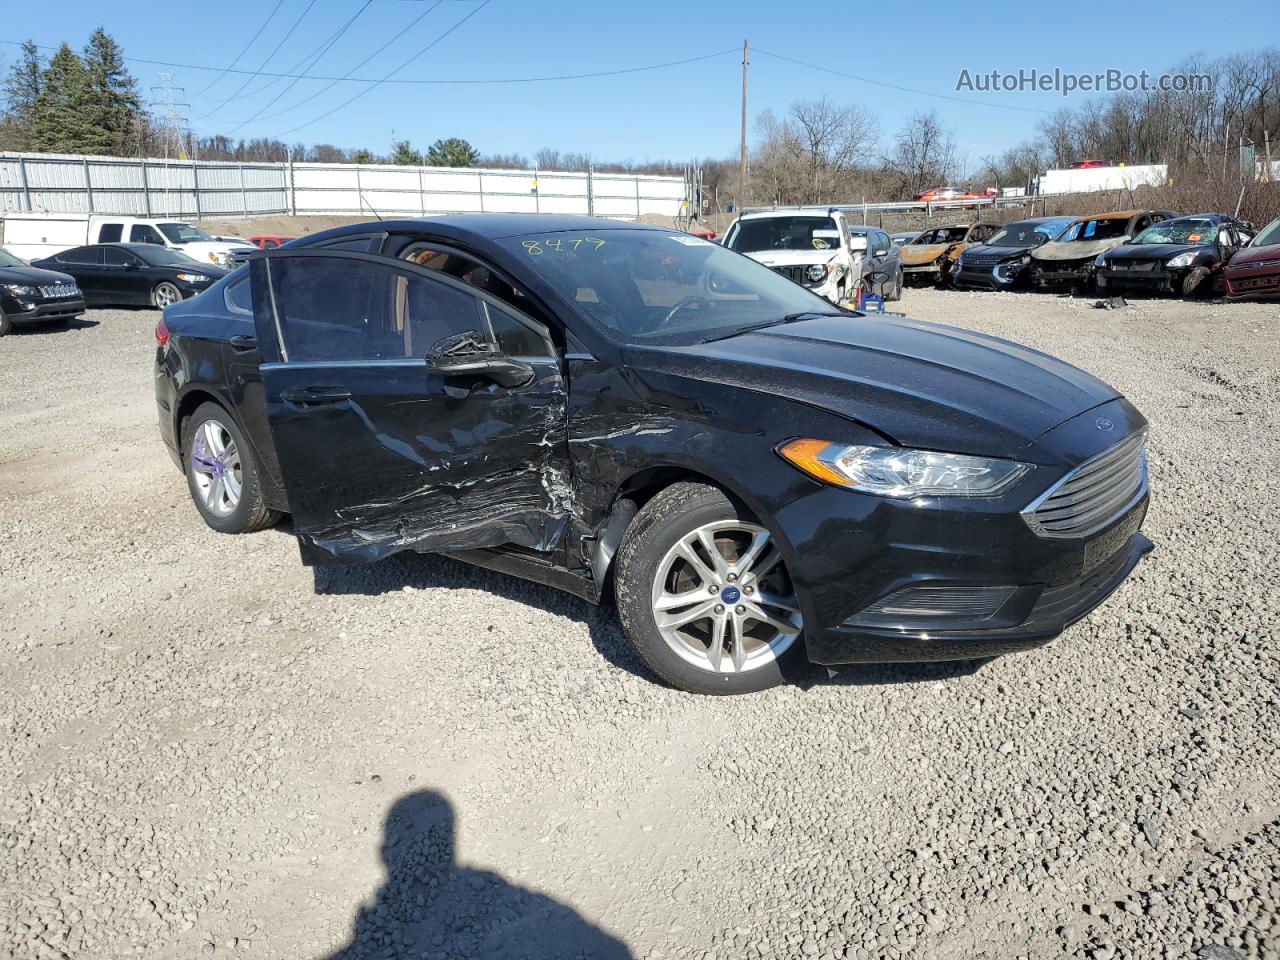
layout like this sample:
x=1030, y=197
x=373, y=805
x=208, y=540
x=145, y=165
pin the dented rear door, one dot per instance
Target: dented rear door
x=379, y=452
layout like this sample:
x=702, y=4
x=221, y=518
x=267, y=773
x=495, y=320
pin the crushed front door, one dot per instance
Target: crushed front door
x=400, y=417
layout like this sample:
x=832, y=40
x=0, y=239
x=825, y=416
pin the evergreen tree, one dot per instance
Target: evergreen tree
x=403, y=154
x=452, y=153
x=114, y=109
x=362, y=156
x=22, y=89
x=62, y=122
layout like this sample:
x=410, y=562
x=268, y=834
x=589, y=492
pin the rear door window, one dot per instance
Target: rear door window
x=110, y=233
x=118, y=257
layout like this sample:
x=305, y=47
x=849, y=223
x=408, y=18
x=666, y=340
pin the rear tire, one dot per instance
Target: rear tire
x=680, y=606
x=222, y=474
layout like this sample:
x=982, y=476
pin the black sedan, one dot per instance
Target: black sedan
x=28, y=294
x=627, y=412
x=1180, y=256
x=133, y=274
x=1001, y=263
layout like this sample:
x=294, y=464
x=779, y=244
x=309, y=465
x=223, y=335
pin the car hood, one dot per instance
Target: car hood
x=1251, y=255
x=1154, y=251
x=202, y=248
x=917, y=253
x=33, y=276
x=1074, y=249
x=921, y=384
x=1003, y=253
x=792, y=258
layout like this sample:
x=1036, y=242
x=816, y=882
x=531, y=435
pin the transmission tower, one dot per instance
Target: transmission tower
x=172, y=114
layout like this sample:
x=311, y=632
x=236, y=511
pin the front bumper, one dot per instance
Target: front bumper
x=1140, y=281
x=1253, y=283
x=1057, y=272
x=65, y=308
x=854, y=557
x=997, y=276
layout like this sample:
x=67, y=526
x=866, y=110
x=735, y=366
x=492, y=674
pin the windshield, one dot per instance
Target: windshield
x=1186, y=232
x=1029, y=234
x=1270, y=234
x=784, y=233
x=1096, y=230
x=651, y=286
x=161, y=256
x=183, y=233
x=7, y=259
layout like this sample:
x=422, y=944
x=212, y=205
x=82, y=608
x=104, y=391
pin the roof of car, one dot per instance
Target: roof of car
x=488, y=226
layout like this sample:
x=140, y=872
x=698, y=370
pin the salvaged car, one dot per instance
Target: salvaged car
x=950, y=198
x=906, y=236
x=1254, y=271
x=635, y=415
x=1069, y=260
x=810, y=245
x=1179, y=256
x=880, y=259
x=928, y=258
x=1001, y=262
x=31, y=295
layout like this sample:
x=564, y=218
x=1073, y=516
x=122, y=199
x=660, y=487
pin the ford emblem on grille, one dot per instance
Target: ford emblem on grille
x=1103, y=423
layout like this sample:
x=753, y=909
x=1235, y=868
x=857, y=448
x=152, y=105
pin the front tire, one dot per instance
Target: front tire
x=164, y=294
x=221, y=473
x=5, y=324
x=704, y=596
x=897, y=287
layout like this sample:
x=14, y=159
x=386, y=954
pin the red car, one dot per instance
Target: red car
x=266, y=243
x=1254, y=271
x=1091, y=164
x=949, y=197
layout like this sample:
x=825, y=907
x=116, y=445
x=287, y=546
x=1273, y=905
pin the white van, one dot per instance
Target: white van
x=35, y=235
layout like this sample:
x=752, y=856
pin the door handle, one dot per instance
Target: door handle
x=315, y=394
x=242, y=341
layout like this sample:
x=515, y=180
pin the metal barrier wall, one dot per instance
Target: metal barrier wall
x=194, y=189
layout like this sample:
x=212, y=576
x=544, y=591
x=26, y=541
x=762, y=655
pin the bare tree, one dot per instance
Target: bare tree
x=923, y=156
x=812, y=154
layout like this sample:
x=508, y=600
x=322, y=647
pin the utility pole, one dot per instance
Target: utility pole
x=742, y=157
x=174, y=133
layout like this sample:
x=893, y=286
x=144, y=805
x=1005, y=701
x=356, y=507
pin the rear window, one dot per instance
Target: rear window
x=784, y=233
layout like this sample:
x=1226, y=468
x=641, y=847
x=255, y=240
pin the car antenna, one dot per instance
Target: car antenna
x=365, y=203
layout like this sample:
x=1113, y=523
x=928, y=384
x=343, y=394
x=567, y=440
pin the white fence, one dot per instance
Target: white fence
x=194, y=189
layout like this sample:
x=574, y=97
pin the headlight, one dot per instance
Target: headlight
x=898, y=472
x=816, y=272
x=1181, y=260
x=193, y=277
x=1100, y=260
x=20, y=290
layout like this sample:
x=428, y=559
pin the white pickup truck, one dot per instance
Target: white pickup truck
x=36, y=235
x=811, y=245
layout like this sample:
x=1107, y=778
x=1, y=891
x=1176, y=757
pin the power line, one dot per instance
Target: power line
x=894, y=86
x=347, y=103
x=274, y=51
x=426, y=82
x=336, y=80
x=294, y=82
x=245, y=50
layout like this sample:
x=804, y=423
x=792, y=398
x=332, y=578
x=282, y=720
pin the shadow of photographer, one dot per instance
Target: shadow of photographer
x=432, y=907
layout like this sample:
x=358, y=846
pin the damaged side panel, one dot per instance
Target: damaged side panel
x=384, y=455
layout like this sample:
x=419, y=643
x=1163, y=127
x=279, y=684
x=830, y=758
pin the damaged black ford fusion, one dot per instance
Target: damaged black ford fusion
x=625, y=411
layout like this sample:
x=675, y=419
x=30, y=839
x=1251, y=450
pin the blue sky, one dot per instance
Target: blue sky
x=679, y=112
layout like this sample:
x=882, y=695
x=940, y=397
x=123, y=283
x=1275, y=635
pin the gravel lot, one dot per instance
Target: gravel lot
x=208, y=750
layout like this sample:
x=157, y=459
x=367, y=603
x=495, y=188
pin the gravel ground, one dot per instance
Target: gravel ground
x=208, y=750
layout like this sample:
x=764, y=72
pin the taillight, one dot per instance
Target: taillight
x=162, y=334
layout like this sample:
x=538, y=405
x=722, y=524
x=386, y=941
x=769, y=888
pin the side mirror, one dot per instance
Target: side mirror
x=880, y=252
x=469, y=355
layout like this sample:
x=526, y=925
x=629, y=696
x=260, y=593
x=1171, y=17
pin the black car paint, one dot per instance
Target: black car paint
x=131, y=284
x=990, y=267
x=637, y=418
x=1143, y=267
x=42, y=307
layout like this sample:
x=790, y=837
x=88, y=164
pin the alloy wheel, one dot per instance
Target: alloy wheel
x=215, y=468
x=722, y=600
x=167, y=294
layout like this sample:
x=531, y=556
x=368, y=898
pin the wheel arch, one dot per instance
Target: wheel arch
x=641, y=486
x=189, y=402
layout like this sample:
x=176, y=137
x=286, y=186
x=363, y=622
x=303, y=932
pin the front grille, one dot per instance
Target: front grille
x=1256, y=283
x=55, y=290
x=1094, y=493
x=1135, y=266
x=794, y=273
x=981, y=259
